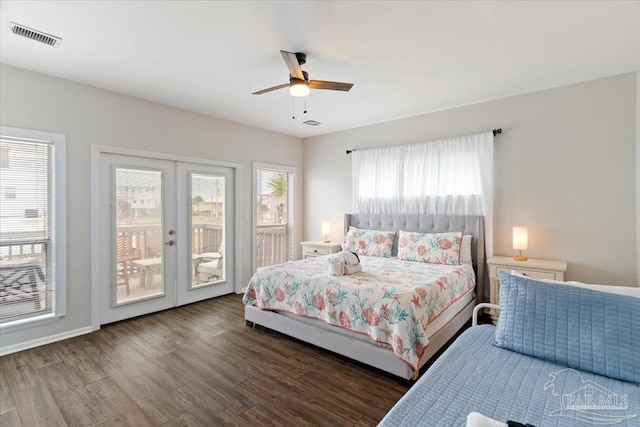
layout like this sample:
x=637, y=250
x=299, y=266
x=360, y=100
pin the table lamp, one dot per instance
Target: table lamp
x=326, y=229
x=520, y=242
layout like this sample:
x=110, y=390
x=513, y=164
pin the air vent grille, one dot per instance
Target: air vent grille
x=36, y=35
x=312, y=123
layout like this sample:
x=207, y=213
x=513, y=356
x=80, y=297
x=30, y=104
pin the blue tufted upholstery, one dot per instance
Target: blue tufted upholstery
x=580, y=328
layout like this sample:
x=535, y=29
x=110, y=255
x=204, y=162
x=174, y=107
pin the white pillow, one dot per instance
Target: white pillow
x=476, y=419
x=611, y=289
x=465, y=250
x=620, y=290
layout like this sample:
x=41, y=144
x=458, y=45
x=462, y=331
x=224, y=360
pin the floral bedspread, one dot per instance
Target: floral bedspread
x=392, y=301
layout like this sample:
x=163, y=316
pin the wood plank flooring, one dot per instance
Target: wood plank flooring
x=190, y=366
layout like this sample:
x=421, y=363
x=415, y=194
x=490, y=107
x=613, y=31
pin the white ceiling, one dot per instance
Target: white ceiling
x=404, y=57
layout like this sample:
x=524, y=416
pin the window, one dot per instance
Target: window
x=445, y=177
x=274, y=214
x=32, y=227
x=452, y=176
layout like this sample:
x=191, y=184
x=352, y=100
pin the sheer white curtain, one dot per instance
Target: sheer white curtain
x=452, y=176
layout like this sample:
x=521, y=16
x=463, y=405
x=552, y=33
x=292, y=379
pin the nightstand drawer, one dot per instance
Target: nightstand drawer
x=314, y=249
x=540, y=269
x=317, y=251
x=543, y=275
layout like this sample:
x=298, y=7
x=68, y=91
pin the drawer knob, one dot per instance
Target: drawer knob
x=315, y=250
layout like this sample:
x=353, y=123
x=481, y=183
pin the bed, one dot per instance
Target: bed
x=385, y=327
x=562, y=354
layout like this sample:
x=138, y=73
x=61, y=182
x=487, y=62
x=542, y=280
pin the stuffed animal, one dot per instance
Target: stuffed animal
x=344, y=262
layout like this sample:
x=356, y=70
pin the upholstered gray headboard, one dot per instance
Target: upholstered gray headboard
x=468, y=224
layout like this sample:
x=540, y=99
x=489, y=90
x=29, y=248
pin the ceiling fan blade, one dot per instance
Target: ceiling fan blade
x=260, y=92
x=292, y=63
x=321, y=84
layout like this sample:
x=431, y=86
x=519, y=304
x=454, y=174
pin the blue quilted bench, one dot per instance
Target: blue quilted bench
x=560, y=355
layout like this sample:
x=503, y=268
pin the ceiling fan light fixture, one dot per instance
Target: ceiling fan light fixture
x=299, y=88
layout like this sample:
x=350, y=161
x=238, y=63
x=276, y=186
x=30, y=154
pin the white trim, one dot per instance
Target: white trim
x=161, y=156
x=254, y=212
x=95, y=238
x=59, y=308
x=29, y=322
x=44, y=340
x=96, y=150
x=237, y=227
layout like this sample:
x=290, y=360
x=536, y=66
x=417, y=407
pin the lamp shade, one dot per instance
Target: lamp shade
x=520, y=238
x=326, y=228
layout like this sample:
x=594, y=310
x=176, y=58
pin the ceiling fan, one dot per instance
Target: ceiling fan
x=299, y=84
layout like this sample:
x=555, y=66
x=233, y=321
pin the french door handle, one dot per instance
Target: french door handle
x=170, y=243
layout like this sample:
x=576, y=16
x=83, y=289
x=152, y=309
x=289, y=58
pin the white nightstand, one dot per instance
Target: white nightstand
x=534, y=268
x=312, y=249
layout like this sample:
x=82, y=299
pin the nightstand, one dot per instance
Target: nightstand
x=312, y=249
x=534, y=268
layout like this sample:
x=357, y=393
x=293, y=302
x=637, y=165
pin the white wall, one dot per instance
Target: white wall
x=565, y=166
x=87, y=115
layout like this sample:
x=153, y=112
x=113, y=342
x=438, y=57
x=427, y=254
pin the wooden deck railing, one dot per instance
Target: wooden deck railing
x=274, y=242
x=273, y=245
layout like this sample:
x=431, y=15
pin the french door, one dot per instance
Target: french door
x=166, y=233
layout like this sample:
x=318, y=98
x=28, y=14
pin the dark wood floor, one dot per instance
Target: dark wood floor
x=193, y=365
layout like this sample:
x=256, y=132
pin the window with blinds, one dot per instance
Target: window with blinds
x=27, y=231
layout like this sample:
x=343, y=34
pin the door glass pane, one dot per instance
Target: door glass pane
x=274, y=207
x=207, y=224
x=139, y=234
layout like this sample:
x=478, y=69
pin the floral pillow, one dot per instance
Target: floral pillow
x=369, y=242
x=439, y=248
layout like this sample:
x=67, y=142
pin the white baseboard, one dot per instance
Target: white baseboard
x=4, y=350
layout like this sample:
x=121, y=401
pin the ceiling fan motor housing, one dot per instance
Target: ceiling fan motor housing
x=302, y=58
x=293, y=79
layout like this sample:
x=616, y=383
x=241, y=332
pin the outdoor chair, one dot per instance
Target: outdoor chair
x=211, y=265
x=125, y=255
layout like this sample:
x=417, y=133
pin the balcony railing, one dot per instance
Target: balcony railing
x=274, y=243
x=25, y=282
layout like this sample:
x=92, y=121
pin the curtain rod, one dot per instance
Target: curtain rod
x=495, y=132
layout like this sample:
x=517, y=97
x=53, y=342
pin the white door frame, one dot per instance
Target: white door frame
x=96, y=151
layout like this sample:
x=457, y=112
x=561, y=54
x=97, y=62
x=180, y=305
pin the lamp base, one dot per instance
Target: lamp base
x=520, y=258
x=327, y=241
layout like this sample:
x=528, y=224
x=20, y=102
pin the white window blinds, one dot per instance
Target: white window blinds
x=26, y=228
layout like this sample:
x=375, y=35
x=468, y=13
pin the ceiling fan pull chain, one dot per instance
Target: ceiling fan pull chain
x=293, y=108
x=305, y=106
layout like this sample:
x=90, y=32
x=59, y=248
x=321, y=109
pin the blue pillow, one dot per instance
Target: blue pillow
x=575, y=327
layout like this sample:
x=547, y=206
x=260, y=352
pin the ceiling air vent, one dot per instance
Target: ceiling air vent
x=312, y=123
x=36, y=35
